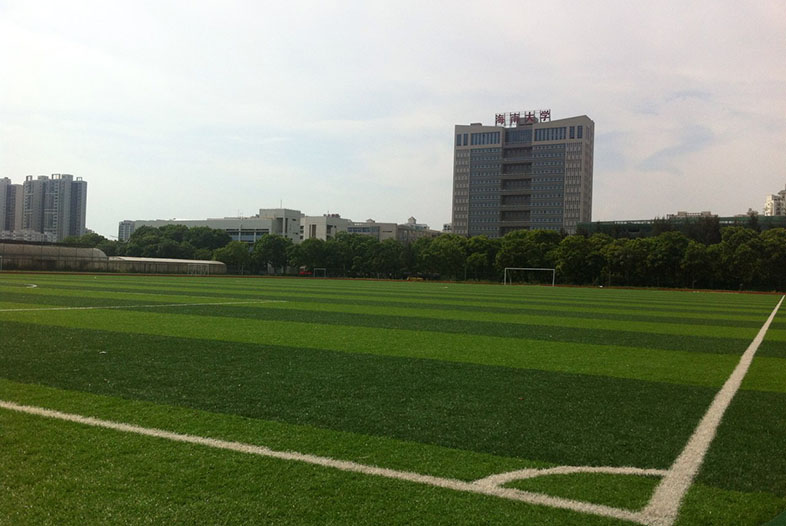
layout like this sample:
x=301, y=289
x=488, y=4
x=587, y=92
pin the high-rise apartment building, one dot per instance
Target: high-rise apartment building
x=524, y=172
x=10, y=205
x=775, y=204
x=55, y=206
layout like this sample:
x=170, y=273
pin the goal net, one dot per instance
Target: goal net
x=320, y=272
x=532, y=276
x=198, y=269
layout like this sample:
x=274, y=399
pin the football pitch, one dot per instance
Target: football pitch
x=191, y=400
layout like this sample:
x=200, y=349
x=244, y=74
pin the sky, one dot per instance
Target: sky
x=197, y=109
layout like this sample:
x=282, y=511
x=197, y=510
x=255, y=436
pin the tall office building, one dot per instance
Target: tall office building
x=525, y=172
x=55, y=206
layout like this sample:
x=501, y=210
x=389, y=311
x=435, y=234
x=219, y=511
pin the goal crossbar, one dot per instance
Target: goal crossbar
x=507, y=280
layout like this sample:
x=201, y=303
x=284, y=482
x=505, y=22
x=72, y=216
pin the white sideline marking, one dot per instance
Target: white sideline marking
x=343, y=465
x=665, y=503
x=662, y=509
x=150, y=306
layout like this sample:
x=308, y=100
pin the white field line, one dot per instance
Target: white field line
x=501, y=479
x=665, y=503
x=150, y=306
x=343, y=465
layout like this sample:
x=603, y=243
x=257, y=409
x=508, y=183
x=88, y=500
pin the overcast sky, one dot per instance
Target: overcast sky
x=199, y=109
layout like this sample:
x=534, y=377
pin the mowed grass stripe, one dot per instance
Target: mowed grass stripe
x=774, y=343
x=536, y=415
x=747, y=453
x=660, y=335
x=68, y=297
x=606, y=360
x=397, y=292
x=440, y=461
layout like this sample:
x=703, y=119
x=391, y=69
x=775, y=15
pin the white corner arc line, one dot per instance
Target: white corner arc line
x=500, y=479
x=665, y=503
x=343, y=465
x=148, y=306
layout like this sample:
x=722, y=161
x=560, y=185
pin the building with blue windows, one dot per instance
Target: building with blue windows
x=522, y=173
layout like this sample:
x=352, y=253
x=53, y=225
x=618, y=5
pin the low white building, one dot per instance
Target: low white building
x=323, y=227
x=292, y=224
x=281, y=221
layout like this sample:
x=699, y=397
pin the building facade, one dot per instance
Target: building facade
x=525, y=172
x=53, y=206
x=775, y=204
x=281, y=221
x=292, y=224
x=11, y=204
x=323, y=227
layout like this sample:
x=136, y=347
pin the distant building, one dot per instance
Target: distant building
x=11, y=205
x=55, y=206
x=292, y=224
x=775, y=204
x=406, y=233
x=689, y=225
x=27, y=235
x=125, y=229
x=686, y=215
x=524, y=172
x=323, y=227
x=379, y=231
x=281, y=221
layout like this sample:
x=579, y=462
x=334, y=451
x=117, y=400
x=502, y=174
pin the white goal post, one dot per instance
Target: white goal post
x=198, y=269
x=320, y=272
x=507, y=278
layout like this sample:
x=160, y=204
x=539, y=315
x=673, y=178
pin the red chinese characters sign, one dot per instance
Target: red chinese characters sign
x=522, y=117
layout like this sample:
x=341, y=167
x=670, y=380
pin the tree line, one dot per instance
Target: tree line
x=737, y=258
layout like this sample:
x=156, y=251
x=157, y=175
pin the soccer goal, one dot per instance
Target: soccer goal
x=320, y=272
x=198, y=269
x=528, y=275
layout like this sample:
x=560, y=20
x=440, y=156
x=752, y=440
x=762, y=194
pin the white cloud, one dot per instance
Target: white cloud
x=199, y=108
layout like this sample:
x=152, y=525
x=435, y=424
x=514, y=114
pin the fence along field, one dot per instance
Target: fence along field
x=429, y=394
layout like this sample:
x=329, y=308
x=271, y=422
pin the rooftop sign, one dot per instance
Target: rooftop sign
x=520, y=118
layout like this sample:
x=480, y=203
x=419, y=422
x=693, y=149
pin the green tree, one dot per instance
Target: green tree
x=740, y=250
x=271, y=250
x=572, y=255
x=174, y=232
x=774, y=257
x=696, y=265
x=445, y=255
x=626, y=261
x=206, y=237
x=665, y=257
x=386, y=258
x=309, y=254
x=528, y=248
x=235, y=255
x=481, y=254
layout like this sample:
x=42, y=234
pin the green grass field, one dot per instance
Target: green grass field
x=452, y=381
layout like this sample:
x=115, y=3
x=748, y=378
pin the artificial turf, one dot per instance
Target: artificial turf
x=452, y=380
